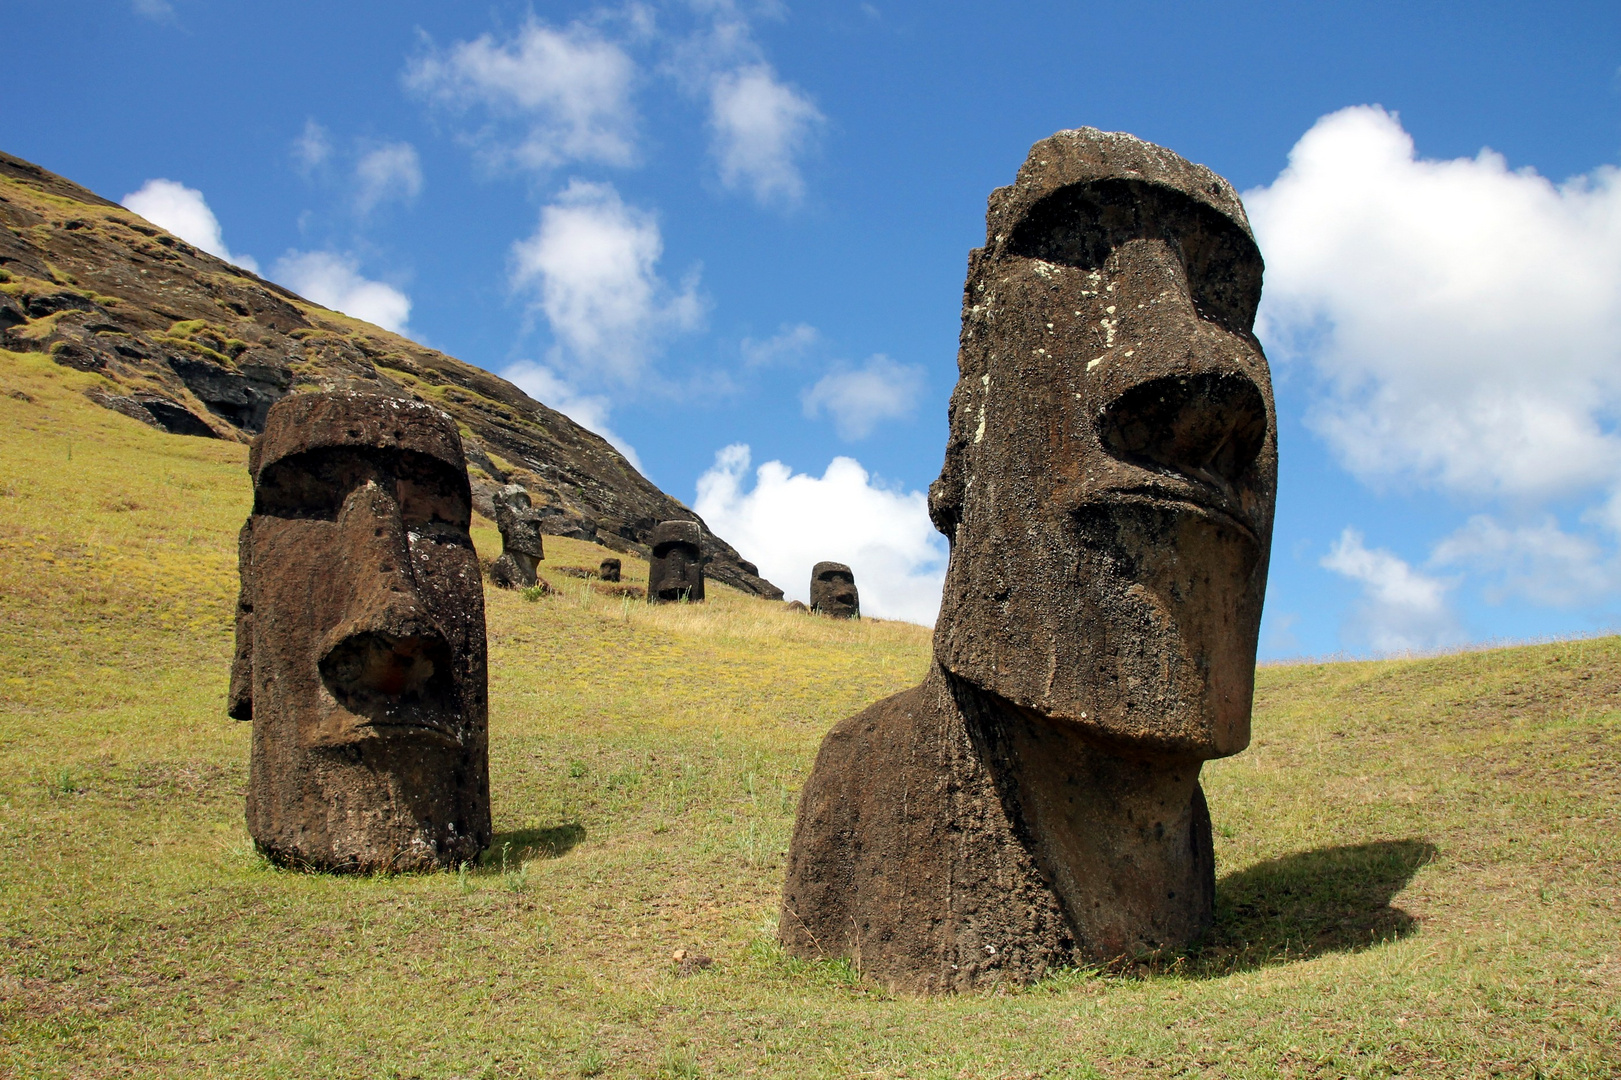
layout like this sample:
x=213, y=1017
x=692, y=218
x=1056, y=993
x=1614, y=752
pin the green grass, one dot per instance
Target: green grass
x=1418, y=859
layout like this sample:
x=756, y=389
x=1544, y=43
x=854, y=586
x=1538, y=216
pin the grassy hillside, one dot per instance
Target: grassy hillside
x=1418, y=859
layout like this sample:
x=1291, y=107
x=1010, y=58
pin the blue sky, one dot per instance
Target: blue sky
x=734, y=235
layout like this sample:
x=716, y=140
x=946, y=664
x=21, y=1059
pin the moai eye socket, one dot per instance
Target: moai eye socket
x=1205, y=425
x=1081, y=225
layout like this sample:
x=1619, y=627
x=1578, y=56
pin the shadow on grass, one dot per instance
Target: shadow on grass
x=521, y=845
x=1299, y=906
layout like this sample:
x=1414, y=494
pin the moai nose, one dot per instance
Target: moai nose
x=1208, y=426
x=388, y=658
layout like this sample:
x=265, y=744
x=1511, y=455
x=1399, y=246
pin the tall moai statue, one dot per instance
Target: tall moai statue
x=1108, y=491
x=675, y=571
x=833, y=591
x=521, y=544
x=360, y=652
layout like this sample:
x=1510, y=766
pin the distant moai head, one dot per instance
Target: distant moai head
x=1111, y=467
x=833, y=591
x=609, y=570
x=521, y=546
x=360, y=638
x=676, y=569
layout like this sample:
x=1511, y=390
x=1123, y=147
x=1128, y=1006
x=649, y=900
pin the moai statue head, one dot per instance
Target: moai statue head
x=521, y=546
x=360, y=639
x=676, y=569
x=833, y=591
x=1112, y=461
x=609, y=570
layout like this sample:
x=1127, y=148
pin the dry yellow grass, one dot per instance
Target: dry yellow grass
x=1417, y=858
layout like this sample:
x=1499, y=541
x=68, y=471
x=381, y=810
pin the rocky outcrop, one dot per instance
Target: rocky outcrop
x=195, y=346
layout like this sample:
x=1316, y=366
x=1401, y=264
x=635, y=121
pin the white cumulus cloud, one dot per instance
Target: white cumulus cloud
x=858, y=399
x=590, y=411
x=183, y=211
x=788, y=522
x=760, y=129
x=570, y=89
x=335, y=281
x=387, y=173
x=591, y=267
x=1401, y=609
x=1464, y=317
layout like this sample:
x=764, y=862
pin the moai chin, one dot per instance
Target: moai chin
x=521, y=545
x=833, y=591
x=1108, y=491
x=609, y=570
x=676, y=569
x=360, y=655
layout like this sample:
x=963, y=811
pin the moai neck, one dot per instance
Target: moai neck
x=1123, y=840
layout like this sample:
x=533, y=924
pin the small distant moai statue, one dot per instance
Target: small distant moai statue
x=676, y=569
x=360, y=652
x=609, y=570
x=833, y=591
x=1108, y=490
x=521, y=545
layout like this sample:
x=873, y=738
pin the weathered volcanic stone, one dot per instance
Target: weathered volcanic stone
x=521, y=545
x=360, y=653
x=676, y=569
x=609, y=570
x=1108, y=492
x=833, y=591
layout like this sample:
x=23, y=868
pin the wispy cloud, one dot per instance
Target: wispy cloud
x=590, y=411
x=156, y=10
x=761, y=128
x=857, y=400
x=567, y=92
x=785, y=346
x=1401, y=608
x=390, y=172
x=591, y=268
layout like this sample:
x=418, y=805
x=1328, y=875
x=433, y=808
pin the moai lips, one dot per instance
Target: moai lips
x=1108, y=492
x=360, y=639
x=833, y=591
x=675, y=570
x=521, y=545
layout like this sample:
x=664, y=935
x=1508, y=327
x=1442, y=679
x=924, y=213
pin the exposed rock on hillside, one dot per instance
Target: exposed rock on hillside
x=195, y=346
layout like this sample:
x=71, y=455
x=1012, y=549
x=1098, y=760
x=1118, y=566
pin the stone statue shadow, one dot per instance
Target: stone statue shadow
x=1295, y=907
x=521, y=845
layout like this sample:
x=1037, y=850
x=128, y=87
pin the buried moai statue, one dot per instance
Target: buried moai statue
x=609, y=570
x=833, y=591
x=675, y=570
x=521, y=545
x=1108, y=491
x=360, y=651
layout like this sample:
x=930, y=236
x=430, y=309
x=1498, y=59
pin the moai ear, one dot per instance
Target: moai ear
x=946, y=493
x=239, y=699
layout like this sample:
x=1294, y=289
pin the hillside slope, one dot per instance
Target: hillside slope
x=192, y=345
x=1417, y=859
